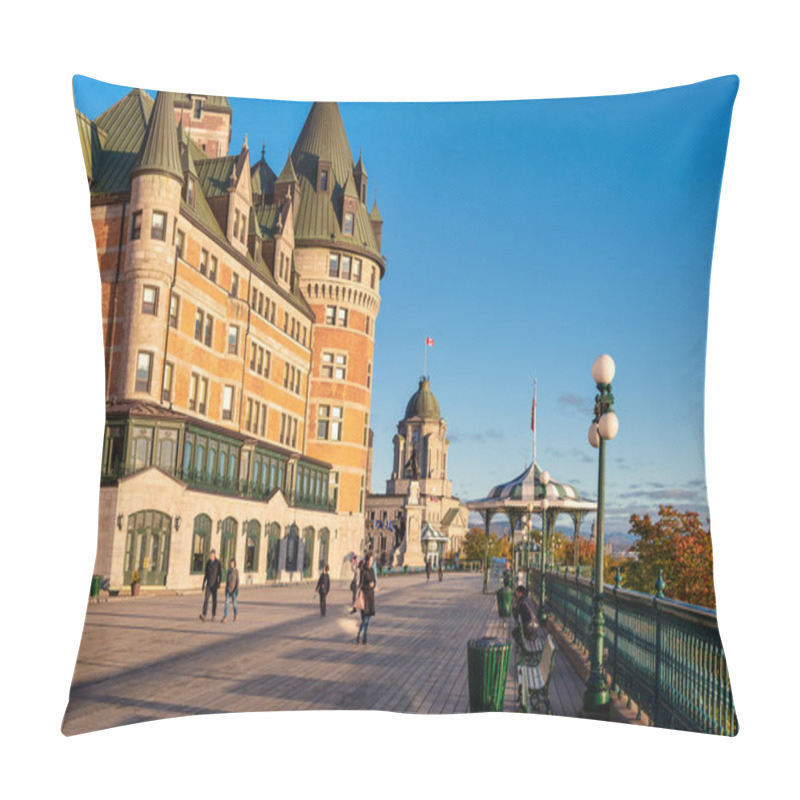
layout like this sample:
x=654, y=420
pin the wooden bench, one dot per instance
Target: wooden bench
x=530, y=653
x=534, y=681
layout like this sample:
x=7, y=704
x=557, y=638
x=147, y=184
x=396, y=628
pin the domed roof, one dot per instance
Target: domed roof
x=423, y=403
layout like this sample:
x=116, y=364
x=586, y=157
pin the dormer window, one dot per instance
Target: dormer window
x=198, y=109
x=190, y=192
x=236, y=224
x=349, y=223
x=323, y=181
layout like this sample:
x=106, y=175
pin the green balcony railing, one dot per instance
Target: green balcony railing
x=665, y=655
x=229, y=486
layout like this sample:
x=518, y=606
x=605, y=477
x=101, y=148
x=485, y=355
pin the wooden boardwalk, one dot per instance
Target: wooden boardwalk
x=150, y=657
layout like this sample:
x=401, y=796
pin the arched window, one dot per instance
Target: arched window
x=292, y=539
x=227, y=547
x=273, y=550
x=201, y=543
x=324, y=541
x=308, y=551
x=252, y=541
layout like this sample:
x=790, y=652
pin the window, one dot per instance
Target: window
x=158, y=229
x=346, y=260
x=357, y=269
x=333, y=266
x=341, y=317
x=136, y=226
x=150, y=300
x=227, y=402
x=372, y=279
x=259, y=359
x=144, y=370
x=234, y=285
x=174, y=305
x=243, y=232
x=329, y=423
x=180, y=242
x=166, y=387
x=198, y=325
x=323, y=181
x=190, y=191
x=366, y=429
x=203, y=262
x=201, y=405
x=212, y=272
x=194, y=384
x=369, y=374
x=208, y=338
x=233, y=339
x=334, y=365
x=348, y=223
x=198, y=109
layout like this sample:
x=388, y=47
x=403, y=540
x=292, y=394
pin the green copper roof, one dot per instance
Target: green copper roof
x=319, y=215
x=423, y=403
x=160, y=149
x=288, y=175
x=122, y=128
x=262, y=178
x=214, y=174
x=91, y=144
x=375, y=215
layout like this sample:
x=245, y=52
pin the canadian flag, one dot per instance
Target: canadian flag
x=428, y=341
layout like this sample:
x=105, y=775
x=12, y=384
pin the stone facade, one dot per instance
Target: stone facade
x=418, y=492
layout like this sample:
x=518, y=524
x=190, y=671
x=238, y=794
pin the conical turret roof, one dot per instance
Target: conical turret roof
x=319, y=216
x=160, y=148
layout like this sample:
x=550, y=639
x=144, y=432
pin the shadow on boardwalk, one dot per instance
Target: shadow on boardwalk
x=151, y=658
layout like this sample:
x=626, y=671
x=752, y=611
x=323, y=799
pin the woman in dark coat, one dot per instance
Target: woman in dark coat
x=367, y=587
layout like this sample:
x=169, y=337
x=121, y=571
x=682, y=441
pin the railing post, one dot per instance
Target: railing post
x=617, y=584
x=660, y=586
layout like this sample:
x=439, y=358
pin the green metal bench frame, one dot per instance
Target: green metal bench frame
x=530, y=656
x=534, y=681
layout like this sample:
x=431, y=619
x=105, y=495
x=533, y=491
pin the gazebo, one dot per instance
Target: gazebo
x=433, y=542
x=526, y=495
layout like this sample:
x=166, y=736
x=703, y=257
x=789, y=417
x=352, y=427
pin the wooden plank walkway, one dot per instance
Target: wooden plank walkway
x=151, y=657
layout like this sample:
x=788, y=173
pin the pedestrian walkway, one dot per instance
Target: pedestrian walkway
x=150, y=657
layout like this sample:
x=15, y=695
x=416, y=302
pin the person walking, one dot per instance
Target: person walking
x=323, y=587
x=211, y=581
x=428, y=569
x=441, y=571
x=231, y=590
x=355, y=566
x=367, y=586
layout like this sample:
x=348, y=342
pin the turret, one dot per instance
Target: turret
x=157, y=182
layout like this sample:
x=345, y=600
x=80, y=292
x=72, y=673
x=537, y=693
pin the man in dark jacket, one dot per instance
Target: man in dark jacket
x=211, y=582
x=524, y=614
x=323, y=587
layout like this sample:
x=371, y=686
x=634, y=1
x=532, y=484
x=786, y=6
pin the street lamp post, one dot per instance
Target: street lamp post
x=544, y=479
x=528, y=540
x=604, y=427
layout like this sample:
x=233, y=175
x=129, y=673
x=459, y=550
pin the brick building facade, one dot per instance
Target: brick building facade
x=239, y=313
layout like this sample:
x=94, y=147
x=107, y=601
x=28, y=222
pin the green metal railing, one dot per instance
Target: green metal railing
x=665, y=655
x=225, y=485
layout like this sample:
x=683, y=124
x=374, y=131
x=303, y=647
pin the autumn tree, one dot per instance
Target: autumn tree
x=473, y=546
x=680, y=545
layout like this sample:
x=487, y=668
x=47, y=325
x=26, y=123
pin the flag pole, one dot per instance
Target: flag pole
x=533, y=425
x=425, y=359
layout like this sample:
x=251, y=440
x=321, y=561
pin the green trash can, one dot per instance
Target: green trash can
x=487, y=670
x=95, y=591
x=504, y=598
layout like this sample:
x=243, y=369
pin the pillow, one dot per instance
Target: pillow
x=538, y=251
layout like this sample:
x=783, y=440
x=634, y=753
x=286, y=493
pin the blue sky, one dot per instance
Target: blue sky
x=526, y=238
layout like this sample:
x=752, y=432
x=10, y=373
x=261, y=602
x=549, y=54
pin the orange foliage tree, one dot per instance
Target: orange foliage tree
x=680, y=544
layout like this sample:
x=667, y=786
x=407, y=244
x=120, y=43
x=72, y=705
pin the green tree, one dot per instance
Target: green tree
x=680, y=545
